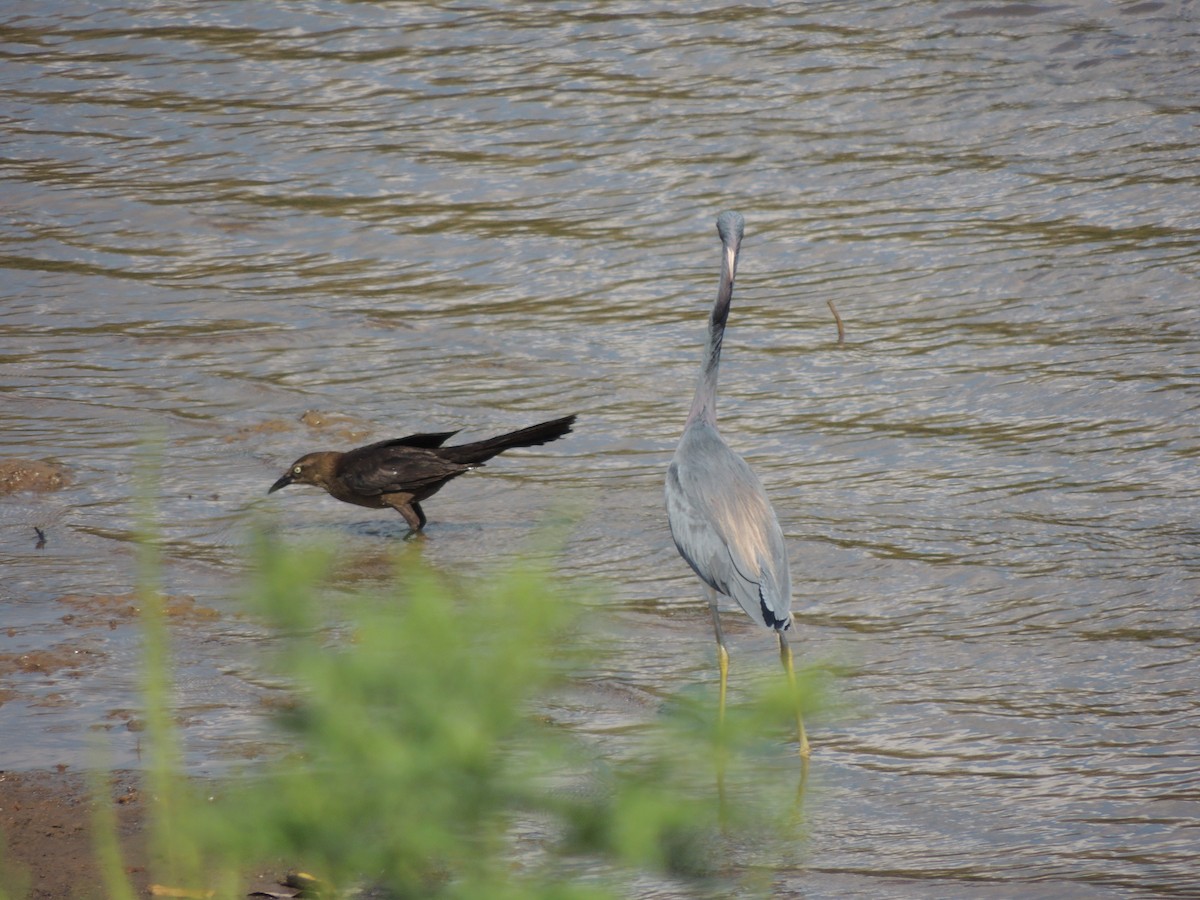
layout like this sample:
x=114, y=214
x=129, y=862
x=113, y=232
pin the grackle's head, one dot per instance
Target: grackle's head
x=312, y=468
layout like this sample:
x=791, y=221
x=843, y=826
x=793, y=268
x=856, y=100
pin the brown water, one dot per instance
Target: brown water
x=215, y=217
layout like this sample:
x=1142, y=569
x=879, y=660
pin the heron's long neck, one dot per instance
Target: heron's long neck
x=704, y=403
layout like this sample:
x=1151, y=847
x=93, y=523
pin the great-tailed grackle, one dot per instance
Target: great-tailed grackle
x=402, y=472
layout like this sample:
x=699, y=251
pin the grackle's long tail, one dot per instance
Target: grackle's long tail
x=479, y=452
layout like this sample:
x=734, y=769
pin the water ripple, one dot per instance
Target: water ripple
x=216, y=217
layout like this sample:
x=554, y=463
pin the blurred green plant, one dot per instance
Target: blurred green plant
x=422, y=762
x=14, y=880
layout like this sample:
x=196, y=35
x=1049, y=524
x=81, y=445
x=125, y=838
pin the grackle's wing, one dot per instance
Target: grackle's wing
x=428, y=441
x=391, y=467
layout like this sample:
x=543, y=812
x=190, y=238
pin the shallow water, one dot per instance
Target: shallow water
x=217, y=217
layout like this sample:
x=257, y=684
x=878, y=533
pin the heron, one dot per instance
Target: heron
x=721, y=520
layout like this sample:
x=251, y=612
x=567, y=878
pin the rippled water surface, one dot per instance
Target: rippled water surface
x=215, y=217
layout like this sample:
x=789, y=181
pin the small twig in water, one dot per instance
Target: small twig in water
x=838, y=319
x=41, y=541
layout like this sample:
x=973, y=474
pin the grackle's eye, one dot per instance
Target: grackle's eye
x=296, y=470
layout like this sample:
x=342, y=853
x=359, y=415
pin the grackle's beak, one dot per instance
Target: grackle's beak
x=281, y=483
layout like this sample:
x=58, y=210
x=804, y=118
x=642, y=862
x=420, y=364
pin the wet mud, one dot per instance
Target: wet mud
x=36, y=475
x=48, y=827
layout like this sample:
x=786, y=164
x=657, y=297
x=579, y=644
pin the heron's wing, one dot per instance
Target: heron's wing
x=725, y=528
x=391, y=467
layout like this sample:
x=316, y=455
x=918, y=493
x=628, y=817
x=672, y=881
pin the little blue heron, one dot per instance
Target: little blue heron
x=720, y=517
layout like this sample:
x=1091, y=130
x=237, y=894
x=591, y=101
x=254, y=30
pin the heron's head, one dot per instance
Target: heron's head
x=731, y=226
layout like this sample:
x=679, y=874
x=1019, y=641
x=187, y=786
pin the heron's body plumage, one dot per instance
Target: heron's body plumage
x=721, y=520
x=725, y=528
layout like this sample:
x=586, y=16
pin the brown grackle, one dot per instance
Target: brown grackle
x=402, y=472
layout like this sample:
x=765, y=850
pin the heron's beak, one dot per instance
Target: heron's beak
x=281, y=483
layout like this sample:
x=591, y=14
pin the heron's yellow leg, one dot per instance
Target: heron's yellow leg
x=723, y=665
x=722, y=655
x=785, y=656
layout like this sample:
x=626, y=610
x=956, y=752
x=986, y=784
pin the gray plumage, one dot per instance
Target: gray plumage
x=720, y=517
x=725, y=528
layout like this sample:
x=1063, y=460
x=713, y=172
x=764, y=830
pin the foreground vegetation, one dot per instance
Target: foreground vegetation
x=423, y=761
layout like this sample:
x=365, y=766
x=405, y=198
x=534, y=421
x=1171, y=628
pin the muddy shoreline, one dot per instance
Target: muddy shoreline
x=48, y=827
x=49, y=850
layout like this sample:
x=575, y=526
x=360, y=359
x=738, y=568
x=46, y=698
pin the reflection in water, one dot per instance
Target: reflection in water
x=217, y=219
